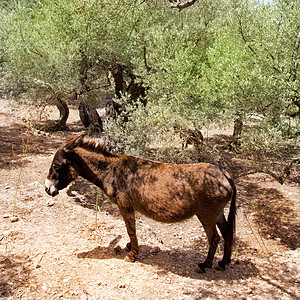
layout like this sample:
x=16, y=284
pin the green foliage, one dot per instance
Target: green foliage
x=53, y=46
x=177, y=51
x=271, y=36
x=209, y=64
x=132, y=136
x=263, y=141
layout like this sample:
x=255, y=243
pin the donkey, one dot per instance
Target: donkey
x=164, y=192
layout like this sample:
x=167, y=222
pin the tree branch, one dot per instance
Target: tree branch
x=180, y=5
x=286, y=172
x=280, y=178
x=244, y=38
x=145, y=59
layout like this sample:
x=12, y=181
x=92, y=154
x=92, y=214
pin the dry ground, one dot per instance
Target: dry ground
x=63, y=250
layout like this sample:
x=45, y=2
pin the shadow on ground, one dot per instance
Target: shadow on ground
x=182, y=262
x=273, y=213
x=17, y=142
x=13, y=274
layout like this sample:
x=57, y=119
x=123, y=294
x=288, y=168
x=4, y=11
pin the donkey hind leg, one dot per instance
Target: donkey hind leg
x=213, y=239
x=133, y=247
x=228, y=239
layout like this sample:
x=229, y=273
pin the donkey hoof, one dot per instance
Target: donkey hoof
x=199, y=270
x=129, y=258
x=220, y=266
x=202, y=267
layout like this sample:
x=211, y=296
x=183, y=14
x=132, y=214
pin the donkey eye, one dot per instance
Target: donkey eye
x=54, y=176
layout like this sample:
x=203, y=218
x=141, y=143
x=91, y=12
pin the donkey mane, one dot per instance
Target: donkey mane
x=97, y=146
x=92, y=145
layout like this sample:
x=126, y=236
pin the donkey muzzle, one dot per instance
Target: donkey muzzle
x=50, y=188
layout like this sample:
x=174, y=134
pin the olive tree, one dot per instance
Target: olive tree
x=66, y=50
x=270, y=33
x=203, y=63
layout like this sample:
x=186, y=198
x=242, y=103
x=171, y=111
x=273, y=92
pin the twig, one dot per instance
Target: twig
x=25, y=151
x=182, y=5
x=97, y=198
x=261, y=244
x=226, y=161
x=145, y=59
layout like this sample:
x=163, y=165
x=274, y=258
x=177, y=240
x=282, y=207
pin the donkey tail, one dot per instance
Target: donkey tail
x=232, y=209
x=229, y=230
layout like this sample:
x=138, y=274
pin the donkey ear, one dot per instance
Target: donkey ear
x=74, y=142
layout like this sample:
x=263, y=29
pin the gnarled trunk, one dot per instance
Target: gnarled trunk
x=61, y=123
x=90, y=117
x=111, y=108
x=63, y=113
x=237, y=131
x=134, y=90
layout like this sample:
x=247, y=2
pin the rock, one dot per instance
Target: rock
x=14, y=219
x=155, y=249
x=35, y=184
x=6, y=233
x=50, y=203
x=44, y=287
x=69, y=189
x=6, y=216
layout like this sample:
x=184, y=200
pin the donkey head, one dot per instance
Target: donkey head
x=62, y=171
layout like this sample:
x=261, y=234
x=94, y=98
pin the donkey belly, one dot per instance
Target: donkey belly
x=165, y=213
x=164, y=205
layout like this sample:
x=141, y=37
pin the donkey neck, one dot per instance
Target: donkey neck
x=93, y=166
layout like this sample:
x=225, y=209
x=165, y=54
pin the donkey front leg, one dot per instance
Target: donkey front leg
x=129, y=218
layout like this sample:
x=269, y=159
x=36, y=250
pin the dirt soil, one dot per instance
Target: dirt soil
x=62, y=249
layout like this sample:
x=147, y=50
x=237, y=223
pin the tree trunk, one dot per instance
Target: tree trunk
x=111, y=108
x=90, y=117
x=134, y=91
x=237, y=131
x=63, y=113
x=120, y=84
x=61, y=123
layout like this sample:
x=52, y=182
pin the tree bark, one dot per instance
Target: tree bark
x=90, y=117
x=111, y=108
x=237, y=131
x=134, y=90
x=120, y=84
x=63, y=113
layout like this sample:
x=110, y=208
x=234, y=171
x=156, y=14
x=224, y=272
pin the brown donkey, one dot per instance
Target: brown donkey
x=164, y=192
